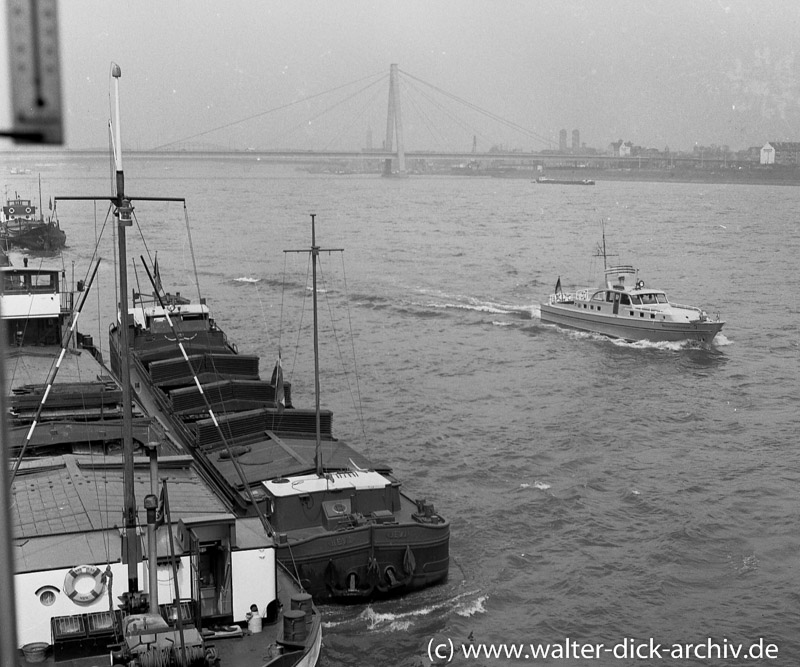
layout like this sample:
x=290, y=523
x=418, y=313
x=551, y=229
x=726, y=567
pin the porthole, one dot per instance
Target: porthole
x=47, y=595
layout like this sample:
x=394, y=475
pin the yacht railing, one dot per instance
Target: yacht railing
x=569, y=297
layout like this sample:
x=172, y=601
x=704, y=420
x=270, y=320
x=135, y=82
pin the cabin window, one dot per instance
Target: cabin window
x=662, y=298
x=624, y=300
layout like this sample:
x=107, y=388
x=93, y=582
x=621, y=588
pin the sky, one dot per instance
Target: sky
x=657, y=73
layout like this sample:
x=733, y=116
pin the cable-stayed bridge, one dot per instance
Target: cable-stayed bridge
x=324, y=127
x=417, y=114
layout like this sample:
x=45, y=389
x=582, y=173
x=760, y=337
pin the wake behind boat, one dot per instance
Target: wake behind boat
x=624, y=307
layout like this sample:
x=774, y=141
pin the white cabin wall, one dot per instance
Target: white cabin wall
x=253, y=581
x=33, y=618
x=166, y=585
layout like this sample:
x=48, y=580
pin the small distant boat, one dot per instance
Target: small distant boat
x=624, y=307
x=20, y=226
x=543, y=180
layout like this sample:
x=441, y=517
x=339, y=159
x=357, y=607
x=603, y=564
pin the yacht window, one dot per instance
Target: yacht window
x=624, y=300
x=662, y=298
x=599, y=296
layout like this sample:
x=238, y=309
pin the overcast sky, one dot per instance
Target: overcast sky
x=657, y=73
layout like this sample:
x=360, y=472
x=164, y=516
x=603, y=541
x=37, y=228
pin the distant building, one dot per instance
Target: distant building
x=562, y=141
x=780, y=152
x=620, y=148
x=576, y=141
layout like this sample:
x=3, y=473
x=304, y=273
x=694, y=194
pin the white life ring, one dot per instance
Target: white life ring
x=27, y=209
x=84, y=571
x=10, y=209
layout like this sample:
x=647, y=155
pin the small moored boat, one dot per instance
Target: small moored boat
x=623, y=306
x=22, y=227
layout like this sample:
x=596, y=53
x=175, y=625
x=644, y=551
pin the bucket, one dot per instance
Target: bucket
x=302, y=602
x=36, y=651
x=254, y=622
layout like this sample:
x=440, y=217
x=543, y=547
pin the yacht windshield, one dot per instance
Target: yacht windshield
x=654, y=297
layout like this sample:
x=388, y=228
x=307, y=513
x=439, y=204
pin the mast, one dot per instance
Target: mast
x=123, y=214
x=314, y=252
x=605, y=266
x=314, y=256
x=8, y=610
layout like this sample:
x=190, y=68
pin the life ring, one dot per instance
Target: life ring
x=171, y=307
x=84, y=571
x=11, y=209
x=28, y=209
x=639, y=284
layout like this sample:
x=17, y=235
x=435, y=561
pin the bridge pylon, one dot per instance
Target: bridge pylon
x=394, y=127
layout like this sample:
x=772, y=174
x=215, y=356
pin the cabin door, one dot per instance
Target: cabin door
x=214, y=575
x=616, y=303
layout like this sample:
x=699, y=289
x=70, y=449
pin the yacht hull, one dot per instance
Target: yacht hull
x=620, y=326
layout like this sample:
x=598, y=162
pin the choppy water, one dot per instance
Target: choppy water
x=598, y=491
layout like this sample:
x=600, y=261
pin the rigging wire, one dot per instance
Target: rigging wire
x=191, y=251
x=359, y=405
x=334, y=331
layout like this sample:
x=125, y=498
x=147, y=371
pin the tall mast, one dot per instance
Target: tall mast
x=314, y=256
x=123, y=214
x=315, y=250
x=605, y=266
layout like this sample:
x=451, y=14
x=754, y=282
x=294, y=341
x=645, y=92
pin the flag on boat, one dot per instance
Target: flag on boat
x=277, y=378
x=161, y=518
x=558, y=286
x=157, y=275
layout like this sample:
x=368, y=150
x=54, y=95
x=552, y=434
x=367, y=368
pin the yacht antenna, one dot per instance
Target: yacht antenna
x=314, y=252
x=605, y=266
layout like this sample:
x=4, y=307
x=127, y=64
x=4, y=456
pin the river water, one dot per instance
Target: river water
x=600, y=492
